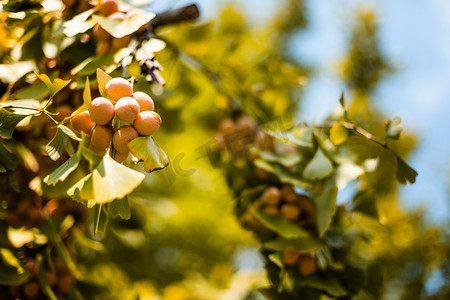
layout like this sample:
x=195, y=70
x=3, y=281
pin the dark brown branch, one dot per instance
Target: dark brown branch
x=186, y=13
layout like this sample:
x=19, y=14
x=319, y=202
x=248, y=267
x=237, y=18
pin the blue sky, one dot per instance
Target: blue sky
x=415, y=36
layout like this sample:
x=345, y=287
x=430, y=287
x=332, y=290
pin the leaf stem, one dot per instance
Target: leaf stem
x=358, y=130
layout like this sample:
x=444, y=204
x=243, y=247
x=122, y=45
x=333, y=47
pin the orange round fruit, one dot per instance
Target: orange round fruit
x=127, y=109
x=101, y=136
x=144, y=100
x=101, y=111
x=147, y=122
x=122, y=137
x=117, y=88
x=82, y=123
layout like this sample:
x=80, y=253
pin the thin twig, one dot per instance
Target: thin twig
x=358, y=130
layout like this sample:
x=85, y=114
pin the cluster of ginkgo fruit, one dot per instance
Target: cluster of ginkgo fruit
x=135, y=110
x=105, y=42
x=305, y=262
x=236, y=135
x=284, y=202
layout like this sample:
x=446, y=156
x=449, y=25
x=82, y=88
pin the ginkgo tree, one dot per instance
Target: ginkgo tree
x=224, y=88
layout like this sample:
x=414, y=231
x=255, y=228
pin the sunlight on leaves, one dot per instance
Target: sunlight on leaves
x=147, y=150
x=120, y=29
x=54, y=86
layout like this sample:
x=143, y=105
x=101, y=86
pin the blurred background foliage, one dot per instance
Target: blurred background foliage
x=183, y=240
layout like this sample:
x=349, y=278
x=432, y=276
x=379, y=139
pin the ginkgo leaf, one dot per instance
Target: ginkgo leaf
x=279, y=224
x=54, y=86
x=8, y=159
x=120, y=29
x=64, y=170
x=325, y=204
x=91, y=64
x=147, y=150
x=86, y=101
x=8, y=122
x=11, y=270
x=112, y=180
x=319, y=167
x=56, y=146
x=120, y=208
x=102, y=80
x=338, y=134
x=404, y=172
x=79, y=23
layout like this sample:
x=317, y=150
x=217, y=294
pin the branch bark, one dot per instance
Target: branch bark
x=186, y=13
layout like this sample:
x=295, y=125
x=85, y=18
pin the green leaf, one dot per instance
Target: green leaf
x=83, y=191
x=112, y=180
x=56, y=146
x=64, y=170
x=67, y=131
x=393, y=128
x=325, y=204
x=300, y=136
x=11, y=271
x=280, y=225
x=120, y=208
x=79, y=23
x=319, y=167
x=326, y=282
x=120, y=29
x=54, y=86
x=276, y=259
x=8, y=159
x=36, y=91
x=285, y=159
x=307, y=244
x=404, y=172
x=284, y=175
x=86, y=101
x=147, y=150
x=8, y=122
x=338, y=134
x=102, y=80
x=100, y=218
x=91, y=64
x=43, y=279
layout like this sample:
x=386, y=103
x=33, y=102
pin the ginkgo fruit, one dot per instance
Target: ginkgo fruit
x=82, y=123
x=117, y=88
x=290, y=256
x=100, y=33
x=122, y=137
x=119, y=156
x=289, y=211
x=307, y=265
x=147, y=122
x=101, y=110
x=101, y=136
x=271, y=196
x=144, y=100
x=108, y=7
x=127, y=109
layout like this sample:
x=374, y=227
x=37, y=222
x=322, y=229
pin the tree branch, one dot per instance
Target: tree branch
x=186, y=13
